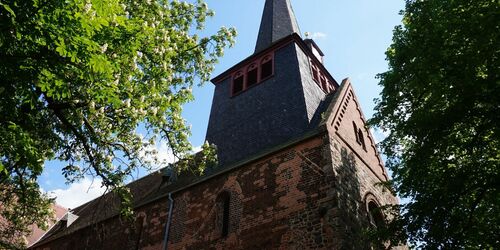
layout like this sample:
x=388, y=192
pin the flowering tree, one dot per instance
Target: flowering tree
x=77, y=79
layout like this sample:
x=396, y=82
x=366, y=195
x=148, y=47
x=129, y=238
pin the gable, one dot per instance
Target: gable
x=346, y=120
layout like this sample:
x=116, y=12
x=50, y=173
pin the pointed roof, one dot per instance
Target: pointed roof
x=278, y=21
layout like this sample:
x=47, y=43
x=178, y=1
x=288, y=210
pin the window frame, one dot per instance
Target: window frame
x=356, y=135
x=251, y=67
x=361, y=138
x=226, y=215
x=321, y=78
x=223, y=201
x=376, y=217
x=266, y=59
x=236, y=75
x=359, y=135
x=244, y=72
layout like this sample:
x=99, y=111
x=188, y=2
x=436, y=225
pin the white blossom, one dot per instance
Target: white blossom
x=127, y=103
x=104, y=47
x=87, y=7
x=154, y=110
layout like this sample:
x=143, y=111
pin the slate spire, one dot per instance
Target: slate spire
x=278, y=21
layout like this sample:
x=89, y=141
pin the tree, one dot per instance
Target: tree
x=78, y=78
x=441, y=104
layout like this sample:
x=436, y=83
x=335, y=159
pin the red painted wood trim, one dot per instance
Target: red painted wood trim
x=277, y=45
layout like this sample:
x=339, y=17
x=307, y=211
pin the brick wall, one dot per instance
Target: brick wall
x=308, y=196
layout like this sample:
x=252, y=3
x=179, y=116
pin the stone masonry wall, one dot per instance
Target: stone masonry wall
x=354, y=184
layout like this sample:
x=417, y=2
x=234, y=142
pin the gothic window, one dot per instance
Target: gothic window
x=252, y=75
x=238, y=83
x=358, y=134
x=375, y=214
x=223, y=213
x=361, y=139
x=266, y=68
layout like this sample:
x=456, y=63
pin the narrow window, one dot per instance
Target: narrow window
x=252, y=78
x=330, y=87
x=356, y=134
x=315, y=72
x=266, y=68
x=375, y=215
x=225, y=216
x=223, y=208
x=324, y=83
x=361, y=139
x=238, y=83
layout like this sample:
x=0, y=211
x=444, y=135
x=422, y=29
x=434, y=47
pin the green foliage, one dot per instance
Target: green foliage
x=77, y=79
x=440, y=101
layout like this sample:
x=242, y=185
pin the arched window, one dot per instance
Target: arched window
x=257, y=71
x=223, y=213
x=238, y=82
x=266, y=67
x=375, y=214
x=252, y=75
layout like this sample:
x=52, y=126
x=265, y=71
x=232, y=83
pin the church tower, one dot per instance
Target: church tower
x=298, y=168
x=273, y=96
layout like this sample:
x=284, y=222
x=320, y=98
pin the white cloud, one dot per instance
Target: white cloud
x=379, y=134
x=164, y=155
x=78, y=193
x=318, y=35
x=86, y=190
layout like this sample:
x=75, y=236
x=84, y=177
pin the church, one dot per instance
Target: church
x=298, y=168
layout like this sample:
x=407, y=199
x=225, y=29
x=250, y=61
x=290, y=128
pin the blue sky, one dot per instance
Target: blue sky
x=353, y=34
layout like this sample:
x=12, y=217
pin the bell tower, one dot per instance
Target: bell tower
x=274, y=96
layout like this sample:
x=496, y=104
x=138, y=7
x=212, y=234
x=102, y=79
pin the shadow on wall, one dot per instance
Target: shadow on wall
x=347, y=217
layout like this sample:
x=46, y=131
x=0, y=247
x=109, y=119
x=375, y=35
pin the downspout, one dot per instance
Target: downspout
x=169, y=221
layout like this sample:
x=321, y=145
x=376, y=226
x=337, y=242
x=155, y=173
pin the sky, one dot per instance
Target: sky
x=353, y=34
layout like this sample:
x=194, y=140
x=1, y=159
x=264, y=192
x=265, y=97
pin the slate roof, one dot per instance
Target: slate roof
x=278, y=21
